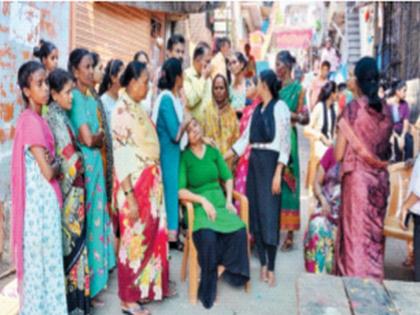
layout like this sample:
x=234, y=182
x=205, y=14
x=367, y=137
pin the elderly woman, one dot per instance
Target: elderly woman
x=219, y=234
x=220, y=123
x=143, y=268
x=293, y=95
x=364, y=130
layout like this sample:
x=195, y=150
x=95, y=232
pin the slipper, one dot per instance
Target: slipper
x=136, y=310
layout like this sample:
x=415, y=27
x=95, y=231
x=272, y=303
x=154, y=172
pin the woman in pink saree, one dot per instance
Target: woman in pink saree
x=362, y=146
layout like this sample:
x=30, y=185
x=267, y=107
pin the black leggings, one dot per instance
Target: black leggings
x=266, y=252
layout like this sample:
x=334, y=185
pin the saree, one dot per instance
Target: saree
x=241, y=172
x=290, y=186
x=73, y=218
x=143, y=267
x=365, y=189
x=221, y=126
x=99, y=230
x=36, y=232
x=320, y=235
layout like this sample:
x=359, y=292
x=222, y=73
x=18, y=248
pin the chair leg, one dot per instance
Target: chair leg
x=185, y=261
x=193, y=274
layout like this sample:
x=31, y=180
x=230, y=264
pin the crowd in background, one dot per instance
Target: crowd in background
x=104, y=155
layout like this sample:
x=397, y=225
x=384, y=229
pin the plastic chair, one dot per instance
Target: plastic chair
x=190, y=252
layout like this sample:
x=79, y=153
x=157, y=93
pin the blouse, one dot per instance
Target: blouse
x=281, y=141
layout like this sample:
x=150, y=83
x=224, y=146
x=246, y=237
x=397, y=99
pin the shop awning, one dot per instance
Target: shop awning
x=176, y=7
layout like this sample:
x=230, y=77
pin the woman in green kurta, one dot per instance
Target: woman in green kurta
x=218, y=233
x=293, y=95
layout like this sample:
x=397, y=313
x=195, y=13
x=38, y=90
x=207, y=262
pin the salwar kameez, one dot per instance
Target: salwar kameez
x=73, y=216
x=219, y=242
x=143, y=267
x=99, y=231
x=36, y=237
x=268, y=134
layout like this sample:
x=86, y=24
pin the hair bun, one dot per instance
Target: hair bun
x=37, y=51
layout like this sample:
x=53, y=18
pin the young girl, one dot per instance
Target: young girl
x=72, y=185
x=36, y=202
x=47, y=53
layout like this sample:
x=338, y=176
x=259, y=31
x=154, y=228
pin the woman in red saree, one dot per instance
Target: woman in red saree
x=143, y=269
x=363, y=145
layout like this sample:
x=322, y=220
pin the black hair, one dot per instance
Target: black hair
x=242, y=59
x=75, y=58
x=112, y=69
x=133, y=71
x=342, y=86
x=171, y=69
x=286, y=58
x=326, y=63
x=57, y=79
x=383, y=83
x=254, y=80
x=274, y=85
x=141, y=53
x=367, y=75
x=24, y=75
x=199, y=51
x=329, y=88
x=44, y=49
x=204, y=44
x=220, y=42
x=175, y=39
x=397, y=85
x=225, y=82
x=95, y=58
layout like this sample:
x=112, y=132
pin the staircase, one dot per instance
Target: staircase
x=352, y=34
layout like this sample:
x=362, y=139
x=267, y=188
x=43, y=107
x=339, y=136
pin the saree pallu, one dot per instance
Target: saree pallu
x=365, y=190
x=143, y=267
x=241, y=172
x=290, y=186
x=73, y=218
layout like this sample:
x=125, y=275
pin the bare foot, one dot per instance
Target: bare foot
x=263, y=274
x=271, y=279
x=220, y=271
x=288, y=242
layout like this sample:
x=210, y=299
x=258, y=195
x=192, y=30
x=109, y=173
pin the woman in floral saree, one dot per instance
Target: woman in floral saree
x=143, y=269
x=71, y=180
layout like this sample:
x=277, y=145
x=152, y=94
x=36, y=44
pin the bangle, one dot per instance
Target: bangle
x=126, y=193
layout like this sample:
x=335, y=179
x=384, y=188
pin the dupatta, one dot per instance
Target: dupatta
x=31, y=130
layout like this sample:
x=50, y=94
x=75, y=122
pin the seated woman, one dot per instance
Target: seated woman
x=322, y=226
x=218, y=233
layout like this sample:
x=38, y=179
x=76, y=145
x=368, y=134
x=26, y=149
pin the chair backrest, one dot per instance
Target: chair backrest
x=399, y=175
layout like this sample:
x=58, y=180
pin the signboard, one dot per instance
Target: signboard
x=289, y=39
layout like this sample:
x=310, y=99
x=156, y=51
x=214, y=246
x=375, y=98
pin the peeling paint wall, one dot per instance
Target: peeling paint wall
x=22, y=24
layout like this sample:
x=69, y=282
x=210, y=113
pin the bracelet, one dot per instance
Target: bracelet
x=126, y=193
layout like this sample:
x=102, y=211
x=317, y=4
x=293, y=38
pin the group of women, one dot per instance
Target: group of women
x=110, y=169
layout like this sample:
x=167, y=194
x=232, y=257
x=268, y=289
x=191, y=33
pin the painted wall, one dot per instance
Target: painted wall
x=22, y=24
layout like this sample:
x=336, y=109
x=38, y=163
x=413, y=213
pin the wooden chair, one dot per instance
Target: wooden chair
x=190, y=252
x=400, y=175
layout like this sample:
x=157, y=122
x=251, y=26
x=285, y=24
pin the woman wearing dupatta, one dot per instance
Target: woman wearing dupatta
x=143, y=268
x=72, y=186
x=36, y=201
x=84, y=120
x=293, y=95
x=220, y=121
x=364, y=130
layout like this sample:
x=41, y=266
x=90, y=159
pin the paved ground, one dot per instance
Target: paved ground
x=261, y=300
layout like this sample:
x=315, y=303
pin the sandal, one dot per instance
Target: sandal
x=97, y=303
x=139, y=309
x=177, y=245
x=287, y=244
x=172, y=290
